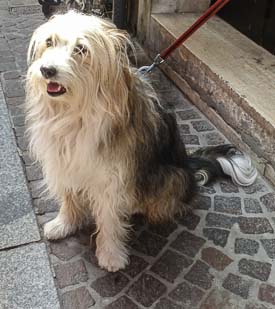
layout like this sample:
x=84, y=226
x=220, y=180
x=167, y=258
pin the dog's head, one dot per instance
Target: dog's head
x=73, y=56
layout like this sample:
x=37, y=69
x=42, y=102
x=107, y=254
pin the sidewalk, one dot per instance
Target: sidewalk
x=221, y=256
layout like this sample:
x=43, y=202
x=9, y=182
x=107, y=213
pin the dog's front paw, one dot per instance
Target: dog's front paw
x=58, y=229
x=112, y=261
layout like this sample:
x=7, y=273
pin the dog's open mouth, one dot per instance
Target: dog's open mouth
x=55, y=89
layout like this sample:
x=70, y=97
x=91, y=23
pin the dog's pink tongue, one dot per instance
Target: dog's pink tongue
x=53, y=87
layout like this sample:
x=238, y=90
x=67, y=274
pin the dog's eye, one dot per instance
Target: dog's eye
x=80, y=49
x=49, y=42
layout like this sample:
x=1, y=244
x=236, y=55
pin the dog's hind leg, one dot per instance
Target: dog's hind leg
x=171, y=189
x=68, y=220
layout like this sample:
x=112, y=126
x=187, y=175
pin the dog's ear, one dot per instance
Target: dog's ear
x=120, y=38
x=52, y=17
x=32, y=49
x=123, y=46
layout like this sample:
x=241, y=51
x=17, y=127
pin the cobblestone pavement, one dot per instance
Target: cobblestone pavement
x=219, y=256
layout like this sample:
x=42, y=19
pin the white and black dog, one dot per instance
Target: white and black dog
x=106, y=146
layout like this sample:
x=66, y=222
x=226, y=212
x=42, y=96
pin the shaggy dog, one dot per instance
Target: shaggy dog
x=106, y=146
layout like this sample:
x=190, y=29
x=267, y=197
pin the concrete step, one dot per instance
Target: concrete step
x=227, y=76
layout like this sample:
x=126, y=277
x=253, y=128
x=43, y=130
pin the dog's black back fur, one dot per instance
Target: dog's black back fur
x=165, y=171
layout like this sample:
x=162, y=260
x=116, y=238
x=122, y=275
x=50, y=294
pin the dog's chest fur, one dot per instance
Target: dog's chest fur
x=71, y=156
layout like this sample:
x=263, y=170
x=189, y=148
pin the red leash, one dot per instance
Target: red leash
x=212, y=10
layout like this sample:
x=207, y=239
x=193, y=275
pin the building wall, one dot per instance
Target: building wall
x=148, y=7
x=192, y=6
x=172, y=6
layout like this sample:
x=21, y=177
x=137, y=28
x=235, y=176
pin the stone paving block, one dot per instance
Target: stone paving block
x=229, y=205
x=255, y=225
x=17, y=43
x=146, y=290
x=215, y=258
x=202, y=202
x=26, y=158
x=110, y=285
x=149, y=244
x=187, y=294
x=34, y=172
x=246, y=246
x=214, y=138
x=122, y=303
x=220, y=299
x=269, y=246
x=184, y=129
x=42, y=220
x=256, y=187
x=228, y=187
x=6, y=66
x=18, y=121
x=38, y=189
x=188, y=114
x=26, y=280
x=202, y=126
x=199, y=275
x=255, y=269
x=188, y=243
x=65, y=249
x=70, y=273
x=171, y=97
x=4, y=51
x=252, y=206
x=14, y=88
x=163, y=229
x=209, y=189
x=8, y=59
x=190, y=139
x=220, y=220
x=15, y=101
x=3, y=43
x=218, y=236
x=165, y=303
x=269, y=201
x=23, y=143
x=237, y=285
x=256, y=306
x=16, y=110
x=189, y=220
x=77, y=299
x=13, y=36
x=170, y=265
x=17, y=220
x=42, y=206
x=136, y=266
x=267, y=293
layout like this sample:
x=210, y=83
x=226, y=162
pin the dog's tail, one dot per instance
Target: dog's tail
x=210, y=163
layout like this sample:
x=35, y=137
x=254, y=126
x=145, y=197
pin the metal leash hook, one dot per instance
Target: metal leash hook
x=160, y=58
x=148, y=68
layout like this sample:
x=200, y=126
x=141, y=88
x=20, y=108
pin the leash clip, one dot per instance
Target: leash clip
x=147, y=69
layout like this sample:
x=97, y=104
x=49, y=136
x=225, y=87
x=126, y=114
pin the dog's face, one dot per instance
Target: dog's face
x=73, y=56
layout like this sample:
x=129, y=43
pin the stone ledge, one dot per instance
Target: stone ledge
x=227, y=76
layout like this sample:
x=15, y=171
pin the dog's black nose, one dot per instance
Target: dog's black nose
x=48, y=72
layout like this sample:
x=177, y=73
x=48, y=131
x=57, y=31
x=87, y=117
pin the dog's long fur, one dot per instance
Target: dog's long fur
x=106, y=146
